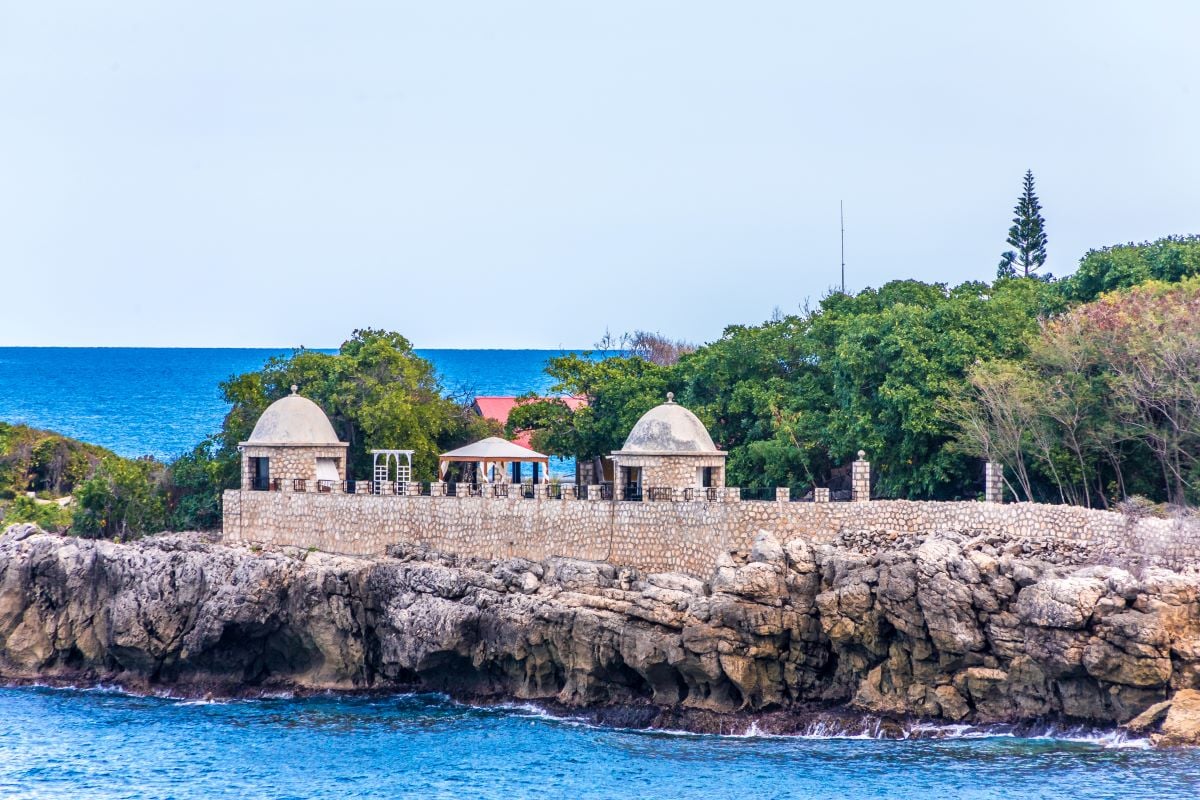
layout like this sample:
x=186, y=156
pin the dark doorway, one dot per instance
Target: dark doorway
x=260, y=473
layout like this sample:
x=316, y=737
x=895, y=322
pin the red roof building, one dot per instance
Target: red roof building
x=498, y=408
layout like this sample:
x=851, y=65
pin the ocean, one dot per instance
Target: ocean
x=102, y=744
x=162, y=402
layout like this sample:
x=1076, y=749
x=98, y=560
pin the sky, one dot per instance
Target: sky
x=531, y=174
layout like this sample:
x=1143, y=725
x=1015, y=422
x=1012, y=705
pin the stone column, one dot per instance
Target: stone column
x=993, y=482
x=462, y=489
x=782, y=494
x=437, y=488
x=821, y=495
x=733, y=494
x=594, y=491
x=860, y=479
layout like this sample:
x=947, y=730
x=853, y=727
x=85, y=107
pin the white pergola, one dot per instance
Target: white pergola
x=382, y=463
x=492, y=450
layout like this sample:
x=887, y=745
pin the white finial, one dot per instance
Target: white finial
x=670, y=397
x=295, y=388
x=862, y=455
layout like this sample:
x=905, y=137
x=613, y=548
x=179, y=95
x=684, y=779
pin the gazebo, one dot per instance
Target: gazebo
x=494, y=450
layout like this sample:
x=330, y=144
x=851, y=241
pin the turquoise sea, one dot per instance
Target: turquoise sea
x=107, y=744
x=103, y=744
x=162, y=402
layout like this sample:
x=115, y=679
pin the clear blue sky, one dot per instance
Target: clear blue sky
x=505, y=174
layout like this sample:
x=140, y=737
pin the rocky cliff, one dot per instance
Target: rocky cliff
x=950, y=627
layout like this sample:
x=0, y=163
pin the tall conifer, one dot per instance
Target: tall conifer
x=1027, y=235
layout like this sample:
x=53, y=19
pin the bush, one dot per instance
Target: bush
x=123, y=499
x=47, y=516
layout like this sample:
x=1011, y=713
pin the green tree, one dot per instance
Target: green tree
x=1106, y=404
x=618, y=390
x=1027, y=235
x=1170, y=259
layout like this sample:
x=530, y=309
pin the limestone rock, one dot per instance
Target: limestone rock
x=963, y=628
x=1182, y=726
x=1060, y=603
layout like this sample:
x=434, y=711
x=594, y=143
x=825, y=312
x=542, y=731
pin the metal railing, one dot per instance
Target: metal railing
x=549, y=491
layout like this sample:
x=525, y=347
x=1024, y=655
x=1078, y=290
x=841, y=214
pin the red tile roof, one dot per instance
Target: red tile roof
x=498, y=408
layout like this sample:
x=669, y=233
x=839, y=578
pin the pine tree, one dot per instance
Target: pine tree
x=1027, y=235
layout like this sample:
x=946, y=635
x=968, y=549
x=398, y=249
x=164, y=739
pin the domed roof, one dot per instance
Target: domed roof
x=293, y=420
x=669, y=428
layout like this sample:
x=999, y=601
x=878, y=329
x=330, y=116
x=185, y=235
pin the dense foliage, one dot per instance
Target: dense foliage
x=1086, y=389
x=1170, y=259
x=904, y=372
x=1106, y=406
x=794, y=398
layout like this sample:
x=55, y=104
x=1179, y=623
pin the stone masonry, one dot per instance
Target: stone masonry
x=687, y=537
x=860, y=479
x=993, y=482
x=291, y=462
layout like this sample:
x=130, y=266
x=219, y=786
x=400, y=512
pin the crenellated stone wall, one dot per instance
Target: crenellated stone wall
x=684, y=537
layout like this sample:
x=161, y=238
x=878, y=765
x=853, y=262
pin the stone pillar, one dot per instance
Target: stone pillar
x=594, y=491
x=782, y=494
x=414, y=488
x=568, y=491
x=993, y=482
x=821, y=495
x=462, y=489
x=437, y=488
x=733, y=494
x=860, y=479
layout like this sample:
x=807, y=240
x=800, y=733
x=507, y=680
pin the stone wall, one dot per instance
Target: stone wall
x=663, y=536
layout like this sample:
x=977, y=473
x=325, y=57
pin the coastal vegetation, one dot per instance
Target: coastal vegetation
x=922, y=376
x=375, y=390
x=1084, y=388
x=63, y=484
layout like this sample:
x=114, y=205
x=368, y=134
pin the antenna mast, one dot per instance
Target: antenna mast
x=842, y=219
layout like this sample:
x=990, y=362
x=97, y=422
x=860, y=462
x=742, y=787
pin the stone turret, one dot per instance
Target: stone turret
x=291, y=442
x=668, y=448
